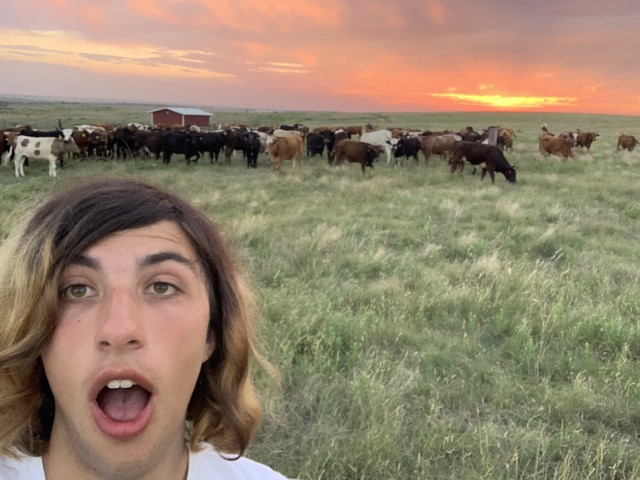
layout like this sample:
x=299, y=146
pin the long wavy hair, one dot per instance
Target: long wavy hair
x=223, y=410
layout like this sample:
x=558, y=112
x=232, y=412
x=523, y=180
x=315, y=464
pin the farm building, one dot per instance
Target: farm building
x=182, y=116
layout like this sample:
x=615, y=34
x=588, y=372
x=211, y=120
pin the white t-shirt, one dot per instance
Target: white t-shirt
x=203, y=465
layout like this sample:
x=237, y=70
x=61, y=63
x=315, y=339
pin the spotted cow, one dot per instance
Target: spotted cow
x=45, y=148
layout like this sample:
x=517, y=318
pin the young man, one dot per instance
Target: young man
x=126, y=334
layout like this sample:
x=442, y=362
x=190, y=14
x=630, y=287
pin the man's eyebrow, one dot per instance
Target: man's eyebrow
x=156, y=258
x=84, y=261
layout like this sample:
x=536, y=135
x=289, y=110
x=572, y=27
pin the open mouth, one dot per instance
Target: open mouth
x=122, y=400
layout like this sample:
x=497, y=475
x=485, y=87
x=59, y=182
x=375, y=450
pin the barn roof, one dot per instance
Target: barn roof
x=183, y=111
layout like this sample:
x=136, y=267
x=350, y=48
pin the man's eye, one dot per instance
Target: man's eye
x=162, y=288
x=77, y=291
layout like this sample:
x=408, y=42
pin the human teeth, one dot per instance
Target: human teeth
x=113, y=384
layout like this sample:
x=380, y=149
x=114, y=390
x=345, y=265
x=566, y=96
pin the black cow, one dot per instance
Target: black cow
x=99, y=143
x=337, y=136
x=407, y=147
x=148, y=142
x=123, y=142
x=236, y=140
x=356, y=152
x=304, y=131
x=213, y=143
x=253, y=145
x=29, y=132
x=478, y=153
x=315, y=144
x=180, y=142
x=470, y=135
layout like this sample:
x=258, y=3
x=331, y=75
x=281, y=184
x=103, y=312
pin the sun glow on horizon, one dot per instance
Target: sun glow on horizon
x=499, y=101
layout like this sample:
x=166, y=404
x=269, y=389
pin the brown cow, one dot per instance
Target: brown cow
x=478, y=153
x=560, y=145
x=285, y=148
x=626, y=142
x=354, y=130
x=506, y=134
x=439, y=144
x=355, y=152
x=585, y=139
x=82, y=139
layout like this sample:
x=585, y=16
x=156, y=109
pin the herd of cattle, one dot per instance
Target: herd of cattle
x=286, y=142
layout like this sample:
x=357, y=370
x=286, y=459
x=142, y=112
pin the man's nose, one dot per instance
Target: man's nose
x=120, y=325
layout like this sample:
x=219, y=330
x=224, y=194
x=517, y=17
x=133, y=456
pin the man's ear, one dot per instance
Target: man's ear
x=209, y=347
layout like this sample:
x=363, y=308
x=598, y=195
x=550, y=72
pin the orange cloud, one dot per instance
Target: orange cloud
x=281, y=16
x=149, y=8
x=72, y=50
x=298, y=60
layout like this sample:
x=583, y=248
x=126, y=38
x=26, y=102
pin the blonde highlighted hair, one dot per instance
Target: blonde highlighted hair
x=223, y=410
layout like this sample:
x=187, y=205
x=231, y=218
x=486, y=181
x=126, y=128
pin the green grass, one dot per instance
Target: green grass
x=428, y=326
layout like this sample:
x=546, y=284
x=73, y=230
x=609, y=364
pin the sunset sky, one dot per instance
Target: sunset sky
x=336, y=55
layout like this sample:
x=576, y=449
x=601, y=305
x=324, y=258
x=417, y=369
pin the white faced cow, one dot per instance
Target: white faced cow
x=45, y=148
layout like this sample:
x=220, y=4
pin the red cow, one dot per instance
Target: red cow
x=354, y=151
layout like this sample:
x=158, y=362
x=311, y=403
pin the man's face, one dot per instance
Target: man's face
x=126, y=352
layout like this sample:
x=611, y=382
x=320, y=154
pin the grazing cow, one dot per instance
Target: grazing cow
x=626, y=142
x=252, y=149
x=213, y=143
x=405, y=148
x=381, y=138
x=285, y=148
x=478, y=153
x=585, y=139
x=439, y=144
x=44, y=148
x=356, y=152
x=560, y=145
x=315, y=144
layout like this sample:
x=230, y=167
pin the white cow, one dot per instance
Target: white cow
x=381, y=138
x=40, y=148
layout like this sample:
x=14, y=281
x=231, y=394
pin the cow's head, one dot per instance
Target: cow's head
x=394, y=143
x=510, y=174
x=70, y=146
x=373, y=152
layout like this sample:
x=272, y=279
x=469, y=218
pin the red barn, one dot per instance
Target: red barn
x=179, y=116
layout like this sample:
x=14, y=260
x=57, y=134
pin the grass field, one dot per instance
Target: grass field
x=425, y=326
